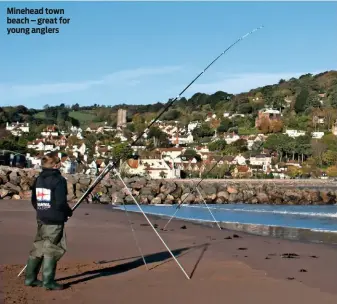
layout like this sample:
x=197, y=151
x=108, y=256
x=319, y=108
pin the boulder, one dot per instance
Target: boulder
x=187, y=198
x=168, y=188
x=223, y=196
x=156, y=201
x=232, y=190
x=262, y=198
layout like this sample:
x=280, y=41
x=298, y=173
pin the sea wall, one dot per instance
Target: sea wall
x=16, y=184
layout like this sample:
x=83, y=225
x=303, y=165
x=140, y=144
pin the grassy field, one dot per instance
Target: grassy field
x=84, y=117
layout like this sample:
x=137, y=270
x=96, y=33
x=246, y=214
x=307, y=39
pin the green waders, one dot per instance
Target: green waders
x=49, y=247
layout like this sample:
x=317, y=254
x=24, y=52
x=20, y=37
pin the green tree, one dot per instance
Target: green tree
x=203, y=131
x=160, y=138
x=318, y=149
x=330, y=140
x=329, y=157
x=190, y=153
x=257, y=146
x=240, y=145
x=225, y=124
x=332, y=171
x=291, y=147
x=313, y=100
x=121, y=151
x=245, y=108
x=277, y=142
x=304, y=147
x=218, y=145
x=301, y=100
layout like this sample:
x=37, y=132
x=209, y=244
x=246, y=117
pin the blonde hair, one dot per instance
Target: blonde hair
x=50, y=160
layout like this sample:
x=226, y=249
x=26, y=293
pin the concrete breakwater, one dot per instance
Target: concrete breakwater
x=16, y=184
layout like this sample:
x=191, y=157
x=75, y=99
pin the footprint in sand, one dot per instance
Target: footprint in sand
x=290, y=255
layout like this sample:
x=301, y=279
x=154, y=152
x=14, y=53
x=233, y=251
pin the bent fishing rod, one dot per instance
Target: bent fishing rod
x=169, y=104
x=111, y=164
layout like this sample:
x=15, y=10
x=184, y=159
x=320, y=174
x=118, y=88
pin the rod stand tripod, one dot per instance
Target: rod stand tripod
x=107, y=169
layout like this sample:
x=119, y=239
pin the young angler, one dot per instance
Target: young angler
x=49, y=199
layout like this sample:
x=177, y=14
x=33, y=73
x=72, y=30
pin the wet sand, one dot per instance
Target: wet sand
x=103, y=264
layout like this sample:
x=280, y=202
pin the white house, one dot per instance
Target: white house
x=240, y=160
x=76, y=131
x=182, y=140
x=260, y=160
x=17, y=128
x=252, y=139
x=294, y=133
x=230, y=138
x=155, y=168
x=192, y=125
x=50, y=131
x=170, y=153
x=317, y=135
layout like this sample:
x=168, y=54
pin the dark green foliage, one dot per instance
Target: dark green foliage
x=217, y=145
x=301, y=100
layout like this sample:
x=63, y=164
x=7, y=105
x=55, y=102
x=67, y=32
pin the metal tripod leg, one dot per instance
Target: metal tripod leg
x=133, y=198
x=203, y=202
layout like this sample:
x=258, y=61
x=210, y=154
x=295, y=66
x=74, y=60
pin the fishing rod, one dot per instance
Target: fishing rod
x=170, y=103
x=111, y=164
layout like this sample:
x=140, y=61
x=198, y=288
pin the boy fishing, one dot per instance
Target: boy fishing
x=49, y=199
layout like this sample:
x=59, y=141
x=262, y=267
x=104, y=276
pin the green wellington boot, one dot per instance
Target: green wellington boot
x=49, y=271
x=32, y=270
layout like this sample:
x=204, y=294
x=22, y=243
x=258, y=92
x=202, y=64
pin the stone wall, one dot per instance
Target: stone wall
x=16, y=184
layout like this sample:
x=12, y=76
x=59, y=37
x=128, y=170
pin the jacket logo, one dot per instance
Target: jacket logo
x=43, y=197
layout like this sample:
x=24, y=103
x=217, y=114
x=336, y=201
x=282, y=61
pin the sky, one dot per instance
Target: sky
x=146, y=52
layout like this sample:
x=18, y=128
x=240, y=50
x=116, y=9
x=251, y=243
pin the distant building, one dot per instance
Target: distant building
x=269, y=114
x=121, y=118
x=17, y=128
x=50, y=131
x=295, y=133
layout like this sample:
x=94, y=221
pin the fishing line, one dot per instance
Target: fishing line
x=111, y=164
x=170, y=103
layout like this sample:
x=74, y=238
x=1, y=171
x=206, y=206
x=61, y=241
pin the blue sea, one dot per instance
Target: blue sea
x=321, y=219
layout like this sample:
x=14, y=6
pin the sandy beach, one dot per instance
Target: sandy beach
x=103, y=264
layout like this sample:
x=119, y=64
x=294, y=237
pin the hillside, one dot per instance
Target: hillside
x=84, y=117
x=297, y=97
